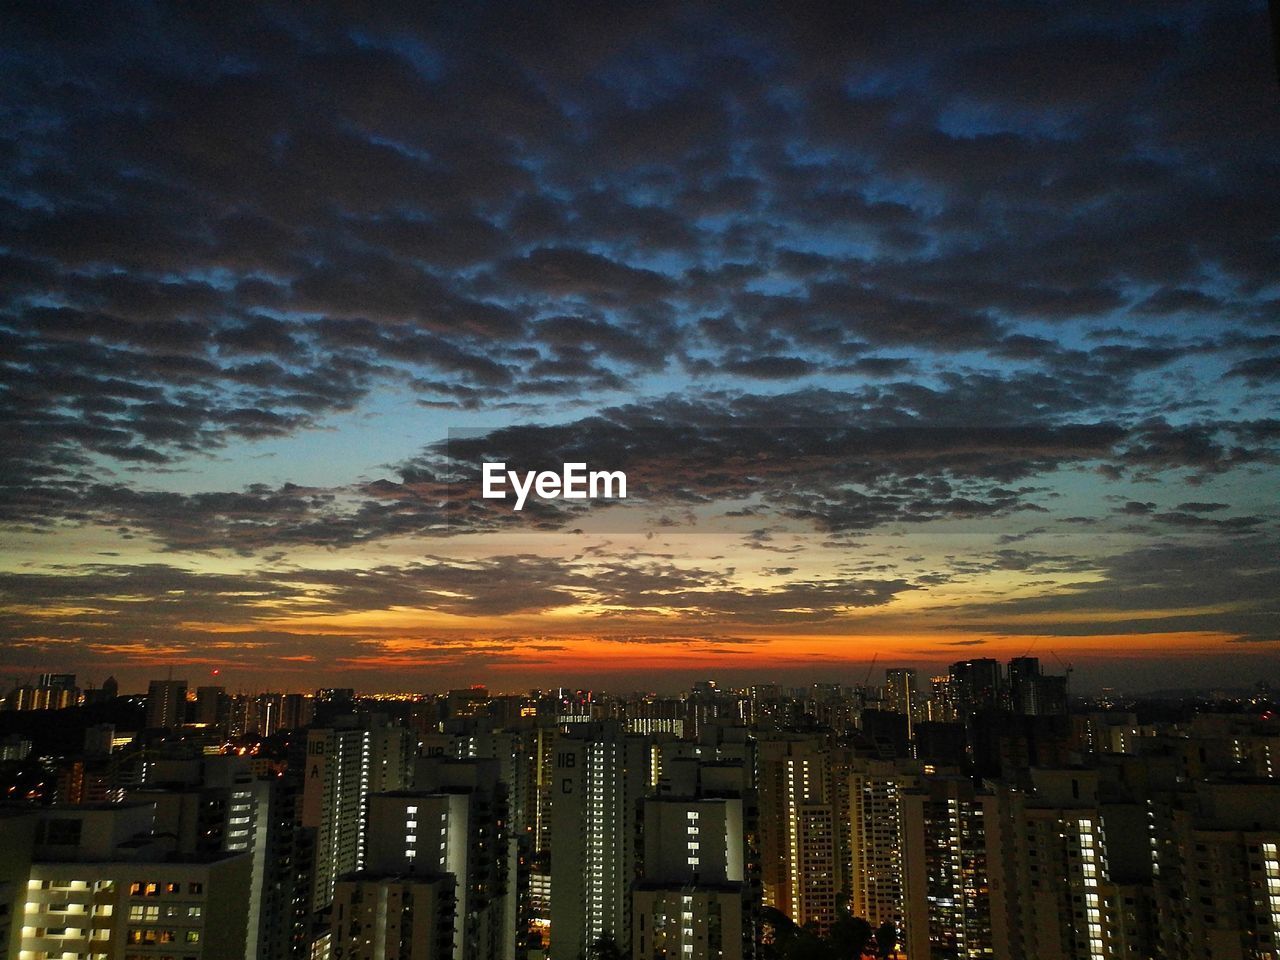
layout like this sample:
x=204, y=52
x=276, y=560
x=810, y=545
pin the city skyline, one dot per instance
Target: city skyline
x=918, y=339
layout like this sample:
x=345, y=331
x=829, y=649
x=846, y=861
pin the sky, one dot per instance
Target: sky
x=922, y=332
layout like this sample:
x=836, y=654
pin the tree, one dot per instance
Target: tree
x=849, y=937
x=886, y=940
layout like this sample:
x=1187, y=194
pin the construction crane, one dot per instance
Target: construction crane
x=867, y=679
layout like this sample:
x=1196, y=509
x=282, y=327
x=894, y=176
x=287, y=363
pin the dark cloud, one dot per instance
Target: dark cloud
x=1257, y=369
x=349, y=202
x=832, y=461
x=1227, y=586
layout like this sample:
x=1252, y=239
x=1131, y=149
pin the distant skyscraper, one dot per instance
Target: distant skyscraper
x=976, y=685
x=296, y=711
x=264, y=714
x=332, y=702
x=942, y=702
x=166, y=704
x=900, y=694
x=1034, y=694
x=25, y=698
x=211, y=705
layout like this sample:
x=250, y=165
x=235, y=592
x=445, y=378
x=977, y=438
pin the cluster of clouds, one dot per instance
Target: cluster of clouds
x=225, y=228
x=908, y=269
x=840, y=462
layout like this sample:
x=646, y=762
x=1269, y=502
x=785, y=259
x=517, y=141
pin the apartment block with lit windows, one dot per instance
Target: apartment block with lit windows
x=1218, y=877
x=875, y=817
x=599, y=776
x=804, y=827
x=335, y=785
x=692, y=901
x=101, y=887
x=1071, y=868
x=946, y=881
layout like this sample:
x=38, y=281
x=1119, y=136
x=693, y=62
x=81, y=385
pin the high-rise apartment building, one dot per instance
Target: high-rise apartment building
x=804, y=833
x=335, y=784
x=1217, y=883
x=947, y=895
x=599, y=776
x=428, y=835
x=900, y=695
x=166, y=704
x=486, y=911
x=875, y=817
x=391, y=754
x=1070, y=869
x=391, y=916
x=1035, y=694
x=976, y=685
x=213, y=804
x=454, y=826
x=690, y=901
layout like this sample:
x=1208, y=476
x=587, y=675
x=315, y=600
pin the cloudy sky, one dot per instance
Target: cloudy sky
x=925, y=332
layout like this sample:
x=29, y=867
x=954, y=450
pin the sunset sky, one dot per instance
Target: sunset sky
x=922, y=332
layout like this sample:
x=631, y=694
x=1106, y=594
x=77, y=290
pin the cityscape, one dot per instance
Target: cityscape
x=502, y=480
x=982, y=812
